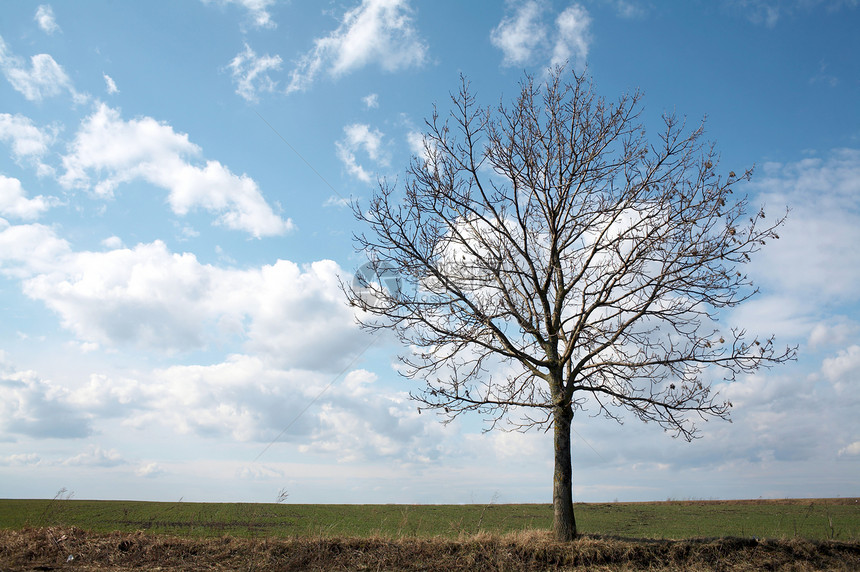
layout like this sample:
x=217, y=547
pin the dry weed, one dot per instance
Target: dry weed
x=76, y=549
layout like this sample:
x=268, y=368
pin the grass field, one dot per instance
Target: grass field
x=120, y=536
x=813, y=519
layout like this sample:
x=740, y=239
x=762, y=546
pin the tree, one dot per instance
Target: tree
x=549, y=258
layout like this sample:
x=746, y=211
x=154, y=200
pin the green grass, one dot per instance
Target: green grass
x=811, y=519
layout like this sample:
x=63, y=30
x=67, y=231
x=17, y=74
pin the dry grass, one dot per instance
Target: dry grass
x=76, y=549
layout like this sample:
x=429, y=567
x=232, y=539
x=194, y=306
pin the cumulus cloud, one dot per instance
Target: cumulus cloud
x=359, y=420
x=44, y=77
x=27, y=140
x=45, y=18
x=258, y=10
x=298, y=335
x=108, y=151
x=360, y=137
x=14, y=201
x=250, y=73
x=106, y=397
x=841, y=369
x=355, y=419
x=240, y=398
x=299, y=339
x=525, y=34
x=298, y=317
x=30, y=249
x=573, y=37
x=152, y=298
x=33, y=407
x=348, y=418
x=375, y=32
x=144, y=296
x=519, y=34
x=832, y=332
x=29, y=143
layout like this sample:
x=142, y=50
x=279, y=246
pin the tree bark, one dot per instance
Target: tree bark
x=564, y=522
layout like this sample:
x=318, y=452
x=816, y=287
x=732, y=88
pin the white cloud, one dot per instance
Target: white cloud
x=336, y=201
x=776, y=422
x=150, y=471
x=29, y=143
x=841, y=370
x=30, y=249
x=110, y=85
x=258, y=10
x=808, y=276
x=815, y=259
x=26, y=138
x=360, y=420
x=44, y=78
x=258, y=472
x=14, y=201
x=573, y=38
x=415, y=142
x=45, y=18
x=371, y=101
x=360, y=137
x=852, y=450
x=376, y=31
x=152, y=298
x=298, y=317
x=525, y=35
x=20, y=459
x=116, y=151
x=293, y=322
x=112, y=242
x=243, y=399
x=250, y=73
x=95, y=456
x=832, y=332
x=145, y=296
x=37, y=408
x=105, y=397
x=520, y=34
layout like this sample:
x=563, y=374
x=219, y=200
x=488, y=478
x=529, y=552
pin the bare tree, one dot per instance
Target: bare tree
x=551, y=258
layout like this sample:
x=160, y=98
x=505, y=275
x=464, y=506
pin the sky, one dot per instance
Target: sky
x=174, y=229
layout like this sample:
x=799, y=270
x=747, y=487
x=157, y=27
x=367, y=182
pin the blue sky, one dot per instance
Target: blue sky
x=172, y=232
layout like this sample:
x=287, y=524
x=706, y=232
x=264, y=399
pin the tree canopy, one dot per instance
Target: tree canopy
x=551, y=257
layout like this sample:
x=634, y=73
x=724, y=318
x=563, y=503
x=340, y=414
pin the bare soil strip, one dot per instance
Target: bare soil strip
x=69, y=548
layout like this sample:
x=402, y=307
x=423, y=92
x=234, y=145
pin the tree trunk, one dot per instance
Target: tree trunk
x=564, y=523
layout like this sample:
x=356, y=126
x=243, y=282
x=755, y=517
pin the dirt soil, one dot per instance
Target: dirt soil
x=76, y=549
